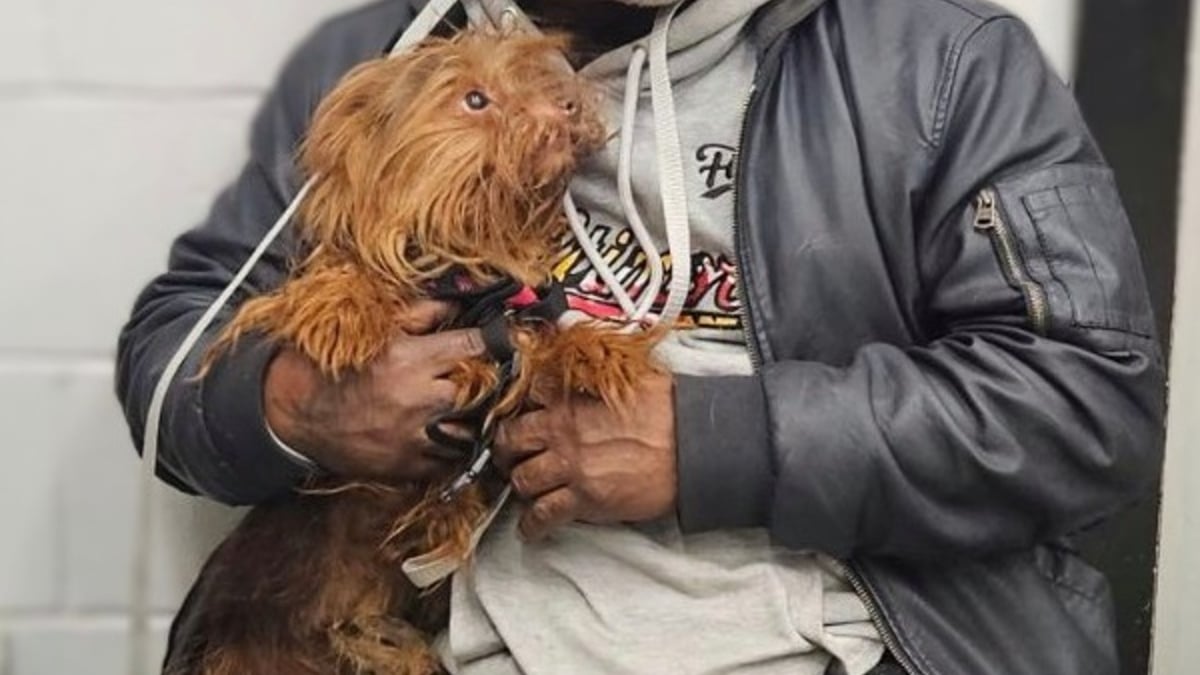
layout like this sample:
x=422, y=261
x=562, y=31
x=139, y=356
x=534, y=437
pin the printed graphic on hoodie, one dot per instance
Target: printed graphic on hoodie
x=717, y=163
x=712, y=301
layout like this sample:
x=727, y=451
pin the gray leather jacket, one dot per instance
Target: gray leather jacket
x=956, y=361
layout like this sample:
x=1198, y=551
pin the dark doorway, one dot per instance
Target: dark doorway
x=1131, y=82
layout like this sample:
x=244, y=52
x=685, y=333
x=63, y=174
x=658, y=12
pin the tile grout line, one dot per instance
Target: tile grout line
x=48, y=364
x=115, y=93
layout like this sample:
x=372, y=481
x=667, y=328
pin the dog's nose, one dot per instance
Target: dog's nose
x=558, y=111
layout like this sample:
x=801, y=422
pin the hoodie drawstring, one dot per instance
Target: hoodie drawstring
x=670, y=169
x=671, y=180
x=633, y=86
x=634, y=313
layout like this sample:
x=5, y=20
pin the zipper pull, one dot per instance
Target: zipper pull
x=985, y=211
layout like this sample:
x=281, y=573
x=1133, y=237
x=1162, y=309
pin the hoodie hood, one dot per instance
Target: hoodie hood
x=702, y=33
x=715, y=22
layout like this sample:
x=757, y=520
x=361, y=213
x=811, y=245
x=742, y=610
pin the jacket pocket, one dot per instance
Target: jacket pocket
x=1064, y=241
x=1068, y=570
x=1084, y=592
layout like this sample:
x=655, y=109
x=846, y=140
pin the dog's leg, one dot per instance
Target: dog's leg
x=334, y=314
x=382, y=645
x=261, y=604
x=391, y=634
x=303, y=587
x=590, y=359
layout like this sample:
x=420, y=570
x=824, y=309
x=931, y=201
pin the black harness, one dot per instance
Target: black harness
x=492, y=309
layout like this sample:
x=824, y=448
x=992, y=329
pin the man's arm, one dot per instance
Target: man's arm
x=214, y=440
x=1027, y=418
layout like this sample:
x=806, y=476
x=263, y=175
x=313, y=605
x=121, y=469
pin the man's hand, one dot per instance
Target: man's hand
x=371, y=425
x=577, y=460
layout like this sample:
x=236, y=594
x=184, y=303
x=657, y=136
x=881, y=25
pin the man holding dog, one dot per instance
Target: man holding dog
x=916, y=357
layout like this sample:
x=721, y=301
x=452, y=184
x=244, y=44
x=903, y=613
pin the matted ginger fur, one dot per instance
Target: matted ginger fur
x=412, y=182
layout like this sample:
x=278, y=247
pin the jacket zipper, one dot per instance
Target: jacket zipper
x=990, y=221
x=752, y=346
x=860, y=586
x=886, y=634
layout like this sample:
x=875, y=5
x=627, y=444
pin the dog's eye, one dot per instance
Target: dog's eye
x=476, y=100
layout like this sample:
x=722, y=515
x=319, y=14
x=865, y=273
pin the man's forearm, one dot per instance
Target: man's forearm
x=215, y=440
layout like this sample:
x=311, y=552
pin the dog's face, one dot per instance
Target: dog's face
x=455, y=153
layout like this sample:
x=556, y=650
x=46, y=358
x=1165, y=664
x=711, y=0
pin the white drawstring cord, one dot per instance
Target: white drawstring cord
x=670, y=167
x=633, y=86
x=584, y=239
x=671, y=176
x=423, y=24
x=139, y=652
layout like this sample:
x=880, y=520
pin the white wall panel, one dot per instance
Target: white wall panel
x=1177, y=611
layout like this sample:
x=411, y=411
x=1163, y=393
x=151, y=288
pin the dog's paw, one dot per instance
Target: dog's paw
x=596, y=360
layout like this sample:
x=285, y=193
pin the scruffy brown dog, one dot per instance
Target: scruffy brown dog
x=453, y=157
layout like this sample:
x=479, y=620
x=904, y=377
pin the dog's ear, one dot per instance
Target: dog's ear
x=349, y=134
x=360, y=106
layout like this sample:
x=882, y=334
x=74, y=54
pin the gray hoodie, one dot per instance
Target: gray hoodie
x=711, y=68
x=647, y=599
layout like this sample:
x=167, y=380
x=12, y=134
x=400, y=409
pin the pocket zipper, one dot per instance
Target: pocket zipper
x=988, y=219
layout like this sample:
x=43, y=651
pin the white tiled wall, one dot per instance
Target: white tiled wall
x=119, y=122
x=1177, y=609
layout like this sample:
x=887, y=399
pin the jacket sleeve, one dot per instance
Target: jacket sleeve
x=1035, y=408
x=214, y=439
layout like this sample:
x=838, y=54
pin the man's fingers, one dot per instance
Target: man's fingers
x=433, y=462
x=519, y=439
x=425, y=316
x=436, y=354
x=541, y=475
x=549, y=512
x=444, y=351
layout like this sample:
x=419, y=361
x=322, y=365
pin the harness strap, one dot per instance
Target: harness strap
x=551, y=304
x=474, y=418
x=484, y=308
x=493, y=309
x=495, y=338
